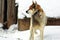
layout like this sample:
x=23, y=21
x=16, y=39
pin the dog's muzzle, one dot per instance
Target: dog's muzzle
x=31, y=12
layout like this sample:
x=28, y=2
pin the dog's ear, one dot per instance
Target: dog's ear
x=33, y=2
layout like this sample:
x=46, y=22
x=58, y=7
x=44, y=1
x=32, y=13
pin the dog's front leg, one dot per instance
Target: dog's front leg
x=32, y=34
x=41, y=33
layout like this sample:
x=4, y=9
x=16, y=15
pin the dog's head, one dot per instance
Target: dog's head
x=34, y=9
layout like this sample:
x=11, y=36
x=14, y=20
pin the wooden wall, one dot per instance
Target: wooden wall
x=10, y=12
x=1, y=10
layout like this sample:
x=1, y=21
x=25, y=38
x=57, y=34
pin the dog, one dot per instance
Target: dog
x=38, y=19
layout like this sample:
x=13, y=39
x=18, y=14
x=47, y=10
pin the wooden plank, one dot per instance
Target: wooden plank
x=53, y=21
x=10, y=12
x=1, y=10
x=16, y=12
x=23, y=24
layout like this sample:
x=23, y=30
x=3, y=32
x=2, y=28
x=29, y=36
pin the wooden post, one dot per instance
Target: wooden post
x=10, y=12
x=1, y=10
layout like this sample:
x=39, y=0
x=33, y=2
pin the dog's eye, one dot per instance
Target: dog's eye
x=33, y=6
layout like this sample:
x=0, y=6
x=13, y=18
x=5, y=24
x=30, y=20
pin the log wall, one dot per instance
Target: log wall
x=1, y=10
x=10, y=12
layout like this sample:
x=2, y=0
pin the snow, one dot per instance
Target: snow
x=1, y=25
x=13, y=27
x=50, y=33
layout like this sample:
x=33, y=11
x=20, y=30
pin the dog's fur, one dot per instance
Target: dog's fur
x=38, y=20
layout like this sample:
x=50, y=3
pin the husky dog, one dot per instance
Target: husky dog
x=38, y=19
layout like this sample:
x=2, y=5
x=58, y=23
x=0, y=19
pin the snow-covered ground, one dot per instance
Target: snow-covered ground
x=50, y=33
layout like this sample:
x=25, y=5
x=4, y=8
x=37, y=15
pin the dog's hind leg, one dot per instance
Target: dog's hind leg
x=41, y=33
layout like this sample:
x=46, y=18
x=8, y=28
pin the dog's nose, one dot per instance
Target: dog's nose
x=26, y=11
